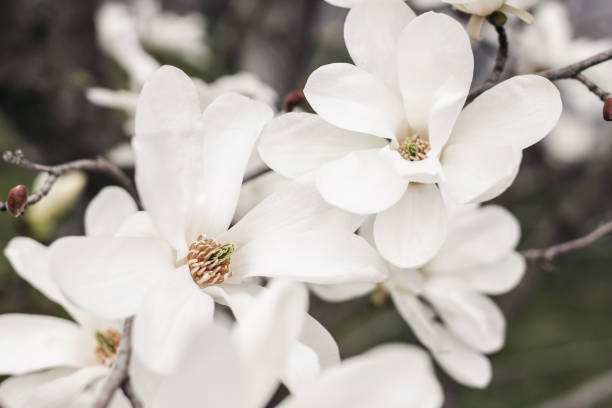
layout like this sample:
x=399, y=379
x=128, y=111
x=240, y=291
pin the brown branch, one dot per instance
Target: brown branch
x=593, y=87
x=98, y=165
x=119, y=377
x=498, y=68
x=550, y=253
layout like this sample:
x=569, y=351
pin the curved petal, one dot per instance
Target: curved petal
x=495, y=278
x=109, y=276
x=409, y=381
x=435, y=63
x=14, y=389
x=518, y=112
x=34, y=342
x=108, y=209
x=362, y=182
x=230, y=127
x=410, y=233
x=353, y=99
x=472, y=317
x=315, y=336
x=172, y=309
x=475, y=237
x=342, y=293
x=324, y=256
x=58, y=391
x=266, y=336
x=256, y=190
x=371, y=33
x=466, y=365
x=478, y=172
x=295, y=208
x=428, y=170
x=297, y=143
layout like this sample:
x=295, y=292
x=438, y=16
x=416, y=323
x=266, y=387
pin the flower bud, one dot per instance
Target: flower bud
x=294, y=99
x=498, y=18
x=607, y=110
x=17, y=200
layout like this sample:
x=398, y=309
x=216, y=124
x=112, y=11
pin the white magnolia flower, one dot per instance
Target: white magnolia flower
x=550, y=43
x=480, y=9
x=477, y=258
x=242, y=368
x=58, y=363
x=169, y=264
x=388, y=137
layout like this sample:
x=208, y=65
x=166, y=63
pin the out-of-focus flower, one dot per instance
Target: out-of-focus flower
x=388, y=138
x=550, y=43
x=57, y=362
x=67, y=189
x=254, y=353
x=477, y=258
x=169, y=264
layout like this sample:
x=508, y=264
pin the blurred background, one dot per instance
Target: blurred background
x=54, y=52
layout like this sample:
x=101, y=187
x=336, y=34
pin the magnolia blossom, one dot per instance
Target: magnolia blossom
x=551, y=43
x=390, y=138
x=242, y=368
x=169, y=264
x=477, y=258
x=58, y=363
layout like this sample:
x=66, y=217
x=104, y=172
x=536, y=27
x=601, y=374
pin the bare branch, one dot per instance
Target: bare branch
x=98, y=165
x=550, y=253
x=498, y=68
x=593, y=87
x=119, y=377
x=587, y=395
x=571, y=71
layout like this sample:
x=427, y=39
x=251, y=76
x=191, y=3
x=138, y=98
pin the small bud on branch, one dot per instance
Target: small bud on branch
x=607, y=110
x=17, y=200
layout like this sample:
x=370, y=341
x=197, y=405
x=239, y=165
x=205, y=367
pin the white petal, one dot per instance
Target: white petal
x=362, y=182
x=345, y=3
x=168, y=102
x=428, y=170
x=60, y=392
x=109, y=276
x=411, y=232
x=230, y=127
x=518, y=112
x=301, y=367
x=480, y=236
x=466, y=365
x=208, y=373
x=418, y=316
x=478, y=172
x=341, y=293
x=316, y=337
x=107, y=211
x=472, y=317
x=171, y=310
x=34, y=342
x=408, y=376
x=324, y=256
x=353, y=99
x=14, y=389
x=256, y=190
x=266, y=336
x=371, y=33
x=297, y=143
x=297, y=207
x=497, y=277
x=435, y=62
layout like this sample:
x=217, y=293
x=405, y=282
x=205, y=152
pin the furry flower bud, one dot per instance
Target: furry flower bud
x=17, y=200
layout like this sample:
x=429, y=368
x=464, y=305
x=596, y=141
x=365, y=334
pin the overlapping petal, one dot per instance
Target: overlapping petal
x=108, y=209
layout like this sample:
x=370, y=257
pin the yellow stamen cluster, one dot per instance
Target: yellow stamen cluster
x=108, y=343
x=414, y=148
x=209, y=261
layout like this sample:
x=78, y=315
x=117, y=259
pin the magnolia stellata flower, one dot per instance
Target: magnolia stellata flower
x=167, y=265
x=242, y=368
x=389, y=137
x=444, y=300
x=76, y=356
x=550, y=43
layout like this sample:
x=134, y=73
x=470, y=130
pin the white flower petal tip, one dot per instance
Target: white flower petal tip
x=475, y=26
x=526, y=16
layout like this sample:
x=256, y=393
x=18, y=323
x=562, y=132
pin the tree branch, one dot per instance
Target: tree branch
x=119, y=377
x=498, y=68
x=98, y=165
x=592, y=86
x=550, y=253
x=587, y=395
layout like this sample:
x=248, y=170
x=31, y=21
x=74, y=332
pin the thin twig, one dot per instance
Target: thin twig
x=586, y=395
x=98, y=165
x=550, y=253
x=593, y=87
x=498, y=68
x=119, y=377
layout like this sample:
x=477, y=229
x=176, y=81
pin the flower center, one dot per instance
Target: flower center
x=108, y=343
x=414, y=148
x=209, y=261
